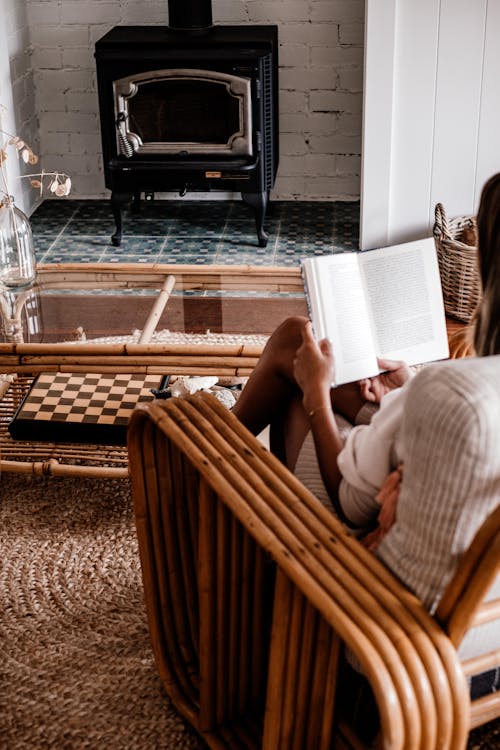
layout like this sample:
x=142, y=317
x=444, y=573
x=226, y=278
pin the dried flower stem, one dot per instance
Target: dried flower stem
x=60, y=183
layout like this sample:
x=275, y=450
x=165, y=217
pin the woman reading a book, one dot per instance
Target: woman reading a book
x=291, y=387
x=344, y=442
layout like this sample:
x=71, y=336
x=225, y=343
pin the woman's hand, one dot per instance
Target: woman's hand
x=388, y=497
x=314, y=369
x=314, y=373
x=396, y=374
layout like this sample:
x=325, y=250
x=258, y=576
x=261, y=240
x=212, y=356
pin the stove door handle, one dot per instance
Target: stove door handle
x=126, y=147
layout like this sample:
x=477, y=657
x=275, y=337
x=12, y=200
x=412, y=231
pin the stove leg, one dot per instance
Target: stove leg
x=258, y=201
x=117, y=201
x=136, y=203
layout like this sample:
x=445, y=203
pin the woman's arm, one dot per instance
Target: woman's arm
x=314, y=371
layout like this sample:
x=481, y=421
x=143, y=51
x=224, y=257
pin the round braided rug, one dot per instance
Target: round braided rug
x=77, y=669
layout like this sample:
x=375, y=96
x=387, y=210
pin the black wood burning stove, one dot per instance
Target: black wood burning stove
x=189, y=106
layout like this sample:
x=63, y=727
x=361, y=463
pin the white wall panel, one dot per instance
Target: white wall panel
x=488, y=153
x=414, y=117
x=7, y=118
x=458, y=103
x=443, y=119
x=378, y=95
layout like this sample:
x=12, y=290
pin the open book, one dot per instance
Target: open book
x=383, y=303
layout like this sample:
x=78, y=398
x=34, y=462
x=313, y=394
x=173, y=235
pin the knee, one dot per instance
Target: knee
x=287, y=337
x=278, y=356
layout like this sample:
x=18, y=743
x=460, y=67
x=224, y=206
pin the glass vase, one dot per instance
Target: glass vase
x=17, y=254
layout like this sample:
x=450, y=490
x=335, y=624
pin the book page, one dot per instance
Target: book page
x=404, y=295
x=338, y=311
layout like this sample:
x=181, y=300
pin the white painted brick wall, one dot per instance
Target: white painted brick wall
x=321, y=61
x=21, y=120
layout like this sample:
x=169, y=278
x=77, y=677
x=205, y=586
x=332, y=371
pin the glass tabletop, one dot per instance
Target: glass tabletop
x=107, y=302
x=84, y=318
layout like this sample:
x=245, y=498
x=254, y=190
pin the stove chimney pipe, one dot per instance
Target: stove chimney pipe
x=190, y=14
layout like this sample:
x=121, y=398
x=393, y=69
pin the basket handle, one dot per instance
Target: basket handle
x=441, y=228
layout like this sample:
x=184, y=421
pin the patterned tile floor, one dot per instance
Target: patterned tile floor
x=198, y=232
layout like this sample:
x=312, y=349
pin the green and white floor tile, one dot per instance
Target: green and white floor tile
x=193, y=231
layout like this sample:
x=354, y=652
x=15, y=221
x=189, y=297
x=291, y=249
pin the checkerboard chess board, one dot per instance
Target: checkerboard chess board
x=79, y=407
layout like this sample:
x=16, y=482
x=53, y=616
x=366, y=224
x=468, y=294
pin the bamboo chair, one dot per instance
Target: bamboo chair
x=253, y=589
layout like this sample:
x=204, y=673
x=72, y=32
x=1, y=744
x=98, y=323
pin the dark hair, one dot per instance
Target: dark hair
x=487, y=322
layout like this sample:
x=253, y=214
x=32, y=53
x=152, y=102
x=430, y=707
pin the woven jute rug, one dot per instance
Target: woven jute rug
x=76, y=669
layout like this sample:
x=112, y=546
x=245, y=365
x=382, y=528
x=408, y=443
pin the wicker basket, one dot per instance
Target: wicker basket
x=458, y=265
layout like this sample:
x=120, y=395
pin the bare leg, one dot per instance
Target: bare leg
x=271, y=386
x=272, y=396
x=296, y=425
x=347, y=400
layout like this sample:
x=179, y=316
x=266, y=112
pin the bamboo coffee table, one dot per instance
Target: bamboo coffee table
x=93, y=318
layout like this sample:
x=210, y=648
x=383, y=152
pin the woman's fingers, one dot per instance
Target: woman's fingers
x=326, y=347
x=389, y=365
x=314, y=362
x=366, y=389
x=307, y=334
